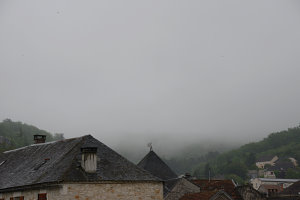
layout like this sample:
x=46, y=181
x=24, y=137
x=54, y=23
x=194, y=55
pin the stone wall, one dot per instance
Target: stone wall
x=96, y=191
x=248, y=193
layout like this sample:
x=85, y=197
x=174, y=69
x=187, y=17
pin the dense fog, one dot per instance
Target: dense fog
x=174, y=73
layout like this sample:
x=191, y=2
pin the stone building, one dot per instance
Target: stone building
x=177, y=188
x=80, y=168
x=249, y=193
x=293, y=190
x=284, y=183
x=156, y=166
x=266, y=160
x=174, y=187
x=270, y=190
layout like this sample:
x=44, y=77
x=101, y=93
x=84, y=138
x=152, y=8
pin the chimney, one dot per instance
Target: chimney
x=89, y=159
x=39, y=139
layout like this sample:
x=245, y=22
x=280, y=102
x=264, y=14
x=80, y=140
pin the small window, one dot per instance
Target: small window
x=42, y=196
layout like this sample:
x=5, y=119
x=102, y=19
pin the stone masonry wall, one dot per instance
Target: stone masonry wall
x=92, y=191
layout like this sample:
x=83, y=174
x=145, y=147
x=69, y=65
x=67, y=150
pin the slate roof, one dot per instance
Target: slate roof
x=265, y=158
x=60, y=161
x=294, y=189
x=212, y=185
x=282, y=164
x=156, y=166
x=169, y=185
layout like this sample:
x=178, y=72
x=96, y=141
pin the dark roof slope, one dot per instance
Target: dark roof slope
x=282, y=164
x=169, y=185
x=60, y=161
x=294, y=189
x=265, y=158
x=226, y=185
x=154, y=164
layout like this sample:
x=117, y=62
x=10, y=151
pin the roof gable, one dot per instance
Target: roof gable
x=156, y=166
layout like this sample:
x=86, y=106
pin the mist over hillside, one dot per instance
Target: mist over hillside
x=229, y=157
x=174, y=149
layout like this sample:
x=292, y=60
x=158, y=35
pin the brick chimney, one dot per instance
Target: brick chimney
x=39, y=139
x=89, y=159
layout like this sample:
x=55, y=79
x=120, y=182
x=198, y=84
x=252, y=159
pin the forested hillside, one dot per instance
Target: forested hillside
x=233, y=164
x=18, y=134
x=236, y=163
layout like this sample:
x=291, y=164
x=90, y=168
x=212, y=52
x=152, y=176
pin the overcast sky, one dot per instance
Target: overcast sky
x=186, y=70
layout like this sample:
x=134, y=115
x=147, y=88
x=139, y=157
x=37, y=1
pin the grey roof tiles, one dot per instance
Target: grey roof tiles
x=60, y=161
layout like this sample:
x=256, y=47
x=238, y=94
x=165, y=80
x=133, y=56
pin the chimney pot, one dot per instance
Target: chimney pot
x=38, y=139
x=89, y=159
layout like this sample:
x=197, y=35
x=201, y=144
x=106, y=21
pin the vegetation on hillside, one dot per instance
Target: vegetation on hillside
x=235, y=164
x=17, y=134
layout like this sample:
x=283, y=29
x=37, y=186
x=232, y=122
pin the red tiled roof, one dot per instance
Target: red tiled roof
x=206, y=195
x=226, y=185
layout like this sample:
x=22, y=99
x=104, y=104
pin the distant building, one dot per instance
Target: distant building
x=292, y=191
x=253, y=173
x=284, y=183
x=283, y=164
x=207, y=195
x=270, y=190
x=266, y=160
x=219, y=185
x=77, y=168
x=249, y=193
x=269, y=174
x=280, y=166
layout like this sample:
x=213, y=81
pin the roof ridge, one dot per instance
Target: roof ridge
x=46, y=143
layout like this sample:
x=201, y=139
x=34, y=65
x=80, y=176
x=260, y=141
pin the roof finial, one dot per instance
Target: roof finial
x=150, y=145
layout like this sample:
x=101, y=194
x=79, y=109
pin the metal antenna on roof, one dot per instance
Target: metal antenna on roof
x=150, y=146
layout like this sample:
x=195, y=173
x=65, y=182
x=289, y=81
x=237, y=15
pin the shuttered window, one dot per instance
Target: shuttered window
x=42, y=196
